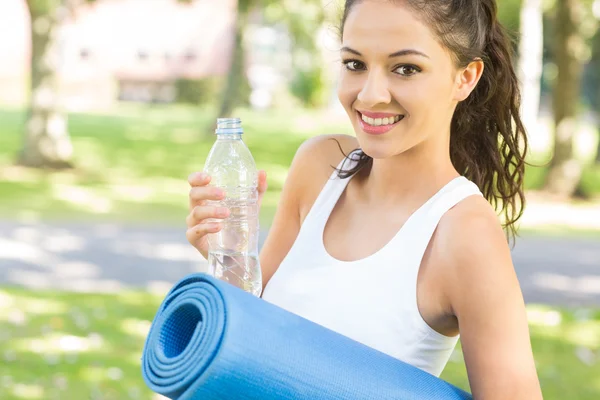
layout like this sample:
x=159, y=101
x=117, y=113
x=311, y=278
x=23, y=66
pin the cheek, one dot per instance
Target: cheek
x=423, y=98
x=348, y=89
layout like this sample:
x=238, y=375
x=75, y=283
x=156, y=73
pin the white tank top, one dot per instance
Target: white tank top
x=372, y=300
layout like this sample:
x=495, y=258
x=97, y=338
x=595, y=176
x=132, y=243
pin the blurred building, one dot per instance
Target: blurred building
x=122, y=49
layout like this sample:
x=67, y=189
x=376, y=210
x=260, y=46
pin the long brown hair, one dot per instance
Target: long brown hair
x=488, y=141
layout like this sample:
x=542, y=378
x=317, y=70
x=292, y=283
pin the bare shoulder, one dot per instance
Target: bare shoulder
x=470, y=237
x=472, y=223
x=314, y=163
x=472, y=249
x=320, y=153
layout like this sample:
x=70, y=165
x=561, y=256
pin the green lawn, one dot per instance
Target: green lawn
x=58, y=345
x=132, y=165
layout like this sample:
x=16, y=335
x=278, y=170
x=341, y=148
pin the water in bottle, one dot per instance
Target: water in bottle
x=233, y=251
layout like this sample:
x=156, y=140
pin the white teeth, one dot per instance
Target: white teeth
x=381, y=121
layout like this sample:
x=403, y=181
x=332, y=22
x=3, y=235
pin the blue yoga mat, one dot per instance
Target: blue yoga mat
x=210, y=340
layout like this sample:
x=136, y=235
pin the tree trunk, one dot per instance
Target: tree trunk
x=596, y=67
x=237, y=86
x=531, y=48
x=47, y=143
x=565, y=170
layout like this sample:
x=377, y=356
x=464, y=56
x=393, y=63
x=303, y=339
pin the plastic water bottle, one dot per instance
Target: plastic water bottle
x=233, y=251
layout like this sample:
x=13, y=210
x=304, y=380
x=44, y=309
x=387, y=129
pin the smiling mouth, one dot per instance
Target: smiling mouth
x=388, y=121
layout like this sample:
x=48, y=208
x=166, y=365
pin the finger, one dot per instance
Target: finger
x=197, y=232
x=200, y=213
x=198, y=179
x=262, y=181
x=200, y=193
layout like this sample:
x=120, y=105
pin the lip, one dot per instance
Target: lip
x=376, y=130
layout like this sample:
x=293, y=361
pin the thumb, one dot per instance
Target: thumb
x=262, y=186
x=262, y=182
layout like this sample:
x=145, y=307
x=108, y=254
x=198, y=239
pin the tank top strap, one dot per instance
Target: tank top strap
x=329, y=195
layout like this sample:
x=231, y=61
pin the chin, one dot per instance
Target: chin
x=377, y=151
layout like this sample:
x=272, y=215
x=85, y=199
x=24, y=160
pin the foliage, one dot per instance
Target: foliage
x=309, y=87
x=304, y=20
x=198, y=91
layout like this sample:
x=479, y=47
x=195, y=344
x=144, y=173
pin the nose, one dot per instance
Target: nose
x=375, y=90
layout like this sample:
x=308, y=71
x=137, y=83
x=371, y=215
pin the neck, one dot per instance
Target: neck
x=411, y=177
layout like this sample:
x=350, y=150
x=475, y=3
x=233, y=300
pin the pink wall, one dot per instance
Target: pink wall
x=105, y=40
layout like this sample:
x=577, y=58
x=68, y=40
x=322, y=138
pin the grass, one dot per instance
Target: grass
x=132, y=165
x=63, y=345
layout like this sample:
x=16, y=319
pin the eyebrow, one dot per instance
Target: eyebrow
x=399, y=53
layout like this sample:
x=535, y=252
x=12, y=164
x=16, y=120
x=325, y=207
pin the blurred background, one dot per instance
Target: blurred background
x=106, y=106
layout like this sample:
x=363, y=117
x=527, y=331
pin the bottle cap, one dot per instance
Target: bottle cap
x=229, y=126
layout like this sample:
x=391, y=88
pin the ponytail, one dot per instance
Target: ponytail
x=488, y=142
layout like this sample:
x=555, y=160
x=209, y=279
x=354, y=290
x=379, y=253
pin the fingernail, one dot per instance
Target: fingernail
x=222, y=212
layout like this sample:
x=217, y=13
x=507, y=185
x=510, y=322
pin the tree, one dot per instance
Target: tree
x=237, y=82
x=565, y=170
x=595, y=65
x=531, y=46
x=46, y=138
x=302, y=19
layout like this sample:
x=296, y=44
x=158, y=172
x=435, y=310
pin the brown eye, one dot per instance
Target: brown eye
x=407, y=70
x=354, y=65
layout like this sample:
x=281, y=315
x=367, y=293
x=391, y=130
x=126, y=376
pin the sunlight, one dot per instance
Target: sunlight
x=24, y=391
x=6, y=300
x=76, y=269
x=162, y=251
x=133, y=193
x=584, y=334
x=89, y=153
x=184, y=136
x=15, y=309
x=13, y=173
x=87, y=199
x=136, y=327
x=587, y=284
x=546, y=215
x=92, y=373
x=23, y=252
x=59, y=343
x=543, y=316
x=161, y=288
x=32, y=305
x=142, y=133
x=63, y=242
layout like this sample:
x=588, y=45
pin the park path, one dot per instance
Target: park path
x=110, y=257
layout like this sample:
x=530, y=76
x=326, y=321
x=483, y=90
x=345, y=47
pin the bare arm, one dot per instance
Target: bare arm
x=486, y=298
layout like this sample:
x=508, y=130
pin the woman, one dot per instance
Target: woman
x=402, y=232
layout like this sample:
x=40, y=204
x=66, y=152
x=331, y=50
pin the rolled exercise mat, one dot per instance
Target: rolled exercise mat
x=210, y=340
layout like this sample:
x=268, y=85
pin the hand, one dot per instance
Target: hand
x=200, y=192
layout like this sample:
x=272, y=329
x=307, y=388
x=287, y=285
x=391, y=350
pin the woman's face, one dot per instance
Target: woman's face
x=398, y=85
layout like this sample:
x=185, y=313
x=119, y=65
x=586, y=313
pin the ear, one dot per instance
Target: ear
x=467, y=79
